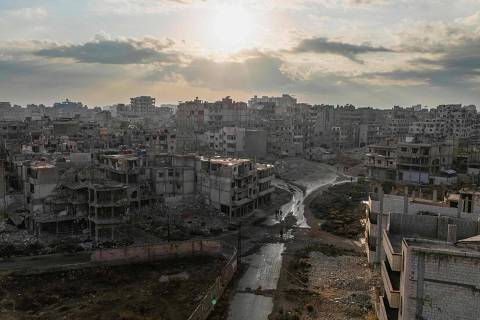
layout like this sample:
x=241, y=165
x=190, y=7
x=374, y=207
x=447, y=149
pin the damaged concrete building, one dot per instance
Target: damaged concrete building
x=234, y=186
x=100, y=198
x=107, y=210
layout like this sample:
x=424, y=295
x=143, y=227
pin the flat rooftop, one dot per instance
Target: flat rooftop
x=262, y=166
x=42, y=165
x=226, y=161
x=461, y=248
x=127, y=156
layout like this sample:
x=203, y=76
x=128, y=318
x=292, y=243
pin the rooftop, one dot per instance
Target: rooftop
x=262, y=166
x=127, y=156
x=42, y=165
x=226, y=161
x=466, y=247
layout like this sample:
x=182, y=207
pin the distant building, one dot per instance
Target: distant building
x=142, y=105
x=282, y=104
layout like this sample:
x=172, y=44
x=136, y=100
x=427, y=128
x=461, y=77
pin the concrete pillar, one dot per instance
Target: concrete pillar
x=379, y=235
x=379, y=239
x=459, y=208
x=434, y=197
x=382, y=199
x=405, y=201
x=452, y=233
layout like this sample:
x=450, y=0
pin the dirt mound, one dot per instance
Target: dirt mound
x=339, y=209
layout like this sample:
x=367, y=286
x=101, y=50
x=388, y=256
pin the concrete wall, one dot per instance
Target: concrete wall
x=433, y=227
x=174, y=180
x=395, y=204
x=440, y=286
x=158, y=251
x=256, y=143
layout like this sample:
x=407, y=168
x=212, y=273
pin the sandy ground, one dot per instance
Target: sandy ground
x=122, y=292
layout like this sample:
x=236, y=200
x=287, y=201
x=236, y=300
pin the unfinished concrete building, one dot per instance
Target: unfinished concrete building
x=107, y=210
x=40, y=180
x=423, y=269
x=438, y=280
x=382, y=162
x=411, y=211
x=133, y=171
x=67, y=210
x=413, y=242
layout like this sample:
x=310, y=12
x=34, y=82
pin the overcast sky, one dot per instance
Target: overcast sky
x=376, y=53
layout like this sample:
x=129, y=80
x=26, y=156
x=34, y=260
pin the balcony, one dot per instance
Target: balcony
x=383, y=309
x=393, y=253
x=391, y=285
x=265, y=179
x=267, y=191
x=372, y=229
x=369, y=252
x=242, y=202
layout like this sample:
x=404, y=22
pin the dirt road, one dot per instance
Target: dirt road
x=323, y=276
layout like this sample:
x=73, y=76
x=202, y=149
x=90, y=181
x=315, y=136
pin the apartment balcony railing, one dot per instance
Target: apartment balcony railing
x=266, y=191
x=369, y=252
x=383, y=310
x=371, y=216
x=394, y=257
x=241, y=202
x=372, y=229
x=391, y=284
x=265, y=179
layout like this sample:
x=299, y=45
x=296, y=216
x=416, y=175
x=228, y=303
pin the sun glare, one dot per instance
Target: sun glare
x=231, y=28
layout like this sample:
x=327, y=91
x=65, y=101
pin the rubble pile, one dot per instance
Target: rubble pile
x=162, y=290
x=183, y=220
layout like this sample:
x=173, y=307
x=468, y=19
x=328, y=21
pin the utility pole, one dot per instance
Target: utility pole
x=239, y=244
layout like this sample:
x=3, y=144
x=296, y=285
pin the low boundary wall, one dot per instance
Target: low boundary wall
x=154, y=252
x=139, y=254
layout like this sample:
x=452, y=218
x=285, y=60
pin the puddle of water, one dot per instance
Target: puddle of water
x=248, y=306
x=264, y=268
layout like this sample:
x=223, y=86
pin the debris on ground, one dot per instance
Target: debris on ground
x=324, y=273
x=119, y=292
x=340, y=209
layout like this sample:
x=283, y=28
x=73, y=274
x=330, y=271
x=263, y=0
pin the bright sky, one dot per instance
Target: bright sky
x=366, y=52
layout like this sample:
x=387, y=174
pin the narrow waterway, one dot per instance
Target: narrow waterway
x=265, y=265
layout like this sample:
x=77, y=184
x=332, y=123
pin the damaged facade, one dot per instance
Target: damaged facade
x=100, y=199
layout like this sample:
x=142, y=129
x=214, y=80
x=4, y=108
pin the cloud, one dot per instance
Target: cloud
x=256, y=71
x=432, y=37
x=365, y=2
x=455, y=67
x=138, y=7
x=444, y=54
x=104, y=50
x=28, y=13
x=324, y=45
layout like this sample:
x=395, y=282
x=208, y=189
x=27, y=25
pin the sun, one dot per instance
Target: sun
x=231, y=28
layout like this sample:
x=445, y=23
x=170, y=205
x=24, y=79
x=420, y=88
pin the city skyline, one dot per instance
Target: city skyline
x=364, y=52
